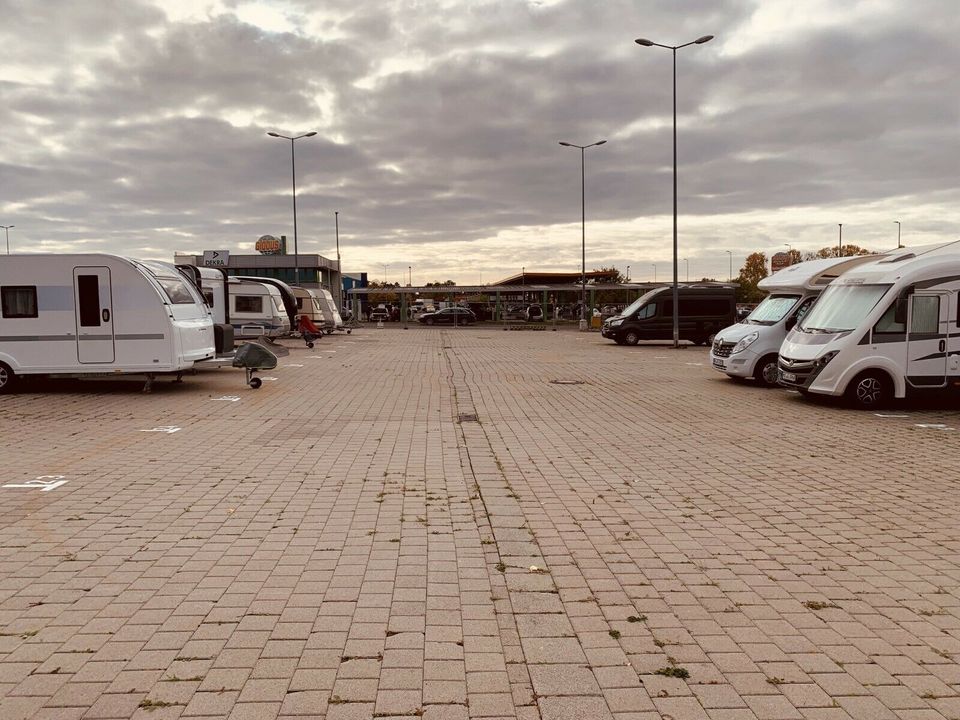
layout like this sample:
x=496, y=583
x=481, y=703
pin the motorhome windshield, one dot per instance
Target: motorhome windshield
x=772, y=310
x=638, y=303
x=842, y=308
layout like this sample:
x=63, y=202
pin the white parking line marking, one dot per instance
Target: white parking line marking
x=229, y=398
x=41, y=483
x=891, y=416
x=164, y=429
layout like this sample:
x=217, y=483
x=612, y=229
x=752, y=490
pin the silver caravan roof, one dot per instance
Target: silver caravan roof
x=812, y=274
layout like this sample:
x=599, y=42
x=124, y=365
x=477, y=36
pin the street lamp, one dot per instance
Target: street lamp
x=840, y=243
x=384, y=273
x=628, y=273
x=790, y=251
x=583, y=231
x=676, y=291
x=896, y=221
x=654, y=271
x=336, y=220
x=293, y=173
x=410, y=270
x=687, y=261
x=6, y=230
x=730, y=274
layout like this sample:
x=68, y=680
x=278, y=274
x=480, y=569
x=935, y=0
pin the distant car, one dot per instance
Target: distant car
x=515, y=312
x=534, y=313
x=449, y=316
x=380, y=313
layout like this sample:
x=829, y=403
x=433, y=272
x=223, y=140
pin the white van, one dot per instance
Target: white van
x=749, y=349
x=98, y=313
x=881, y=330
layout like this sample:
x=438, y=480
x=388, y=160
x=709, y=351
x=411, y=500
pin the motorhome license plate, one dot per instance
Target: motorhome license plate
x=718, y=364
x=789, y=377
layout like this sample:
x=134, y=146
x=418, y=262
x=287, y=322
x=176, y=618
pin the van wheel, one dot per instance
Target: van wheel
x=7, y=379
x=428, y=321
x=766, y=371
x=870, y=390
x=631, y=338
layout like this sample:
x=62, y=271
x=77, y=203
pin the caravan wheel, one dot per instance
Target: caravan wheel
x=6, y=378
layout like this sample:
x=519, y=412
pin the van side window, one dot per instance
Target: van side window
x=19, y=301
x=804, y=307
x=647, y=311
x=709, y=307
x=249, y=303
x=889, y=324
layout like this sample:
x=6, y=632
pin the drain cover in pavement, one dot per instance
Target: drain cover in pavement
x=467, y=417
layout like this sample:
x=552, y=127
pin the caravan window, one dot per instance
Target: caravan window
x=176, y=291
x=249, y=303
x=208, y=296
x=19, y=301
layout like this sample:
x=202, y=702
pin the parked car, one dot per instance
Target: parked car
x=380, y=312
x=704, y=310
x=534, y=313
x=449, y=316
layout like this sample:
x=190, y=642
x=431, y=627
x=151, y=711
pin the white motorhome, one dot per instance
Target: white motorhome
x=749, y=349
x=98, y=313
x=881, y=330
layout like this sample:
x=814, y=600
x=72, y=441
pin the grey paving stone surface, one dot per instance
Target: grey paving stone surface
x=657, y=541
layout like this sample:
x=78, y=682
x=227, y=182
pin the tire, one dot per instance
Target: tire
x=428, y=321
x=255, y=382
x=631, y=337
x=310, y=345
x=7, y=379
x=349, y=331
x=870, y=390
x=765, y=373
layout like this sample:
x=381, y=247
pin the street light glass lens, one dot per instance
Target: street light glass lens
x=702, y=40
x=600, y=143
x=310, y=134
x=272, y=134
x=644, y=42
x=566, y=144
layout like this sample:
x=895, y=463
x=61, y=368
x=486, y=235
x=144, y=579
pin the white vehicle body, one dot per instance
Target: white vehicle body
x=309, y=304
x=99, y=313
x=330, y=311
x=255, y=308
x=749, y=349
x=882, y=329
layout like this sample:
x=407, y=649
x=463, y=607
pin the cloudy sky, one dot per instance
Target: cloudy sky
x=139, y=126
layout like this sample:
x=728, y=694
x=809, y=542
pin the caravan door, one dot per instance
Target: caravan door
x=93, y=302
x=926, y=345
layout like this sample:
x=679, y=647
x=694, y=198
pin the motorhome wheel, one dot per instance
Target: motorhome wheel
x=6, y=378
x=869, y=391
x=766, y=371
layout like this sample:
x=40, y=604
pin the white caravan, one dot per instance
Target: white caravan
x=308, y=303
x=881, y=330
x=330, y=312
x=99, y=313
x=749, y=349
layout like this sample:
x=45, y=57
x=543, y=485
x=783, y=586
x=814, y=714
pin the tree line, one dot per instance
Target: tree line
x=755, y=268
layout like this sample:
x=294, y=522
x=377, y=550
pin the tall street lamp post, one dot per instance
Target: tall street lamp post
x=293, y=173
x=654, y=271
x=336, y=221
x=628, y=273
x=676, y=291
x=730, y=274
x=840, y=242
x=687, y=261
x=583, y=231
x=896, y=221
x=6, y=230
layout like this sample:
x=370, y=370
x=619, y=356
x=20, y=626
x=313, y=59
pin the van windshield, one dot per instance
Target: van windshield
x=638, y=303
x=772, y=310
x=842, y=308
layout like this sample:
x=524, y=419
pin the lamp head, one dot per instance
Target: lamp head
x=704, y=39
x=273, y=134
x=310, y=134
x=601, y=142
x=565, y=144
x=644, y=42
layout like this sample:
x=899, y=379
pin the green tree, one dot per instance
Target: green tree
x=615, y=276
x=831, y=252
x=753, y=271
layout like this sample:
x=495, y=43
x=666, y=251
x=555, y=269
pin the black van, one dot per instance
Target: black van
x=704, y=311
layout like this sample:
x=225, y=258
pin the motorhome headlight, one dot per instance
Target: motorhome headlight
x=825, y=358
x=746, y=341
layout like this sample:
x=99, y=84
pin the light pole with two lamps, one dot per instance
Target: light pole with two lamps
x=676, y=291
x=293, y=173
x=583, y=231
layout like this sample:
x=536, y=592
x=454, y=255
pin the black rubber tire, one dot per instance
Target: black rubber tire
x=7, y=379
x=349, y=331
x=765, y=373
x=255, y=383
x=310, y=345
x=428, y=321
x=870, y=390
x=631, y=337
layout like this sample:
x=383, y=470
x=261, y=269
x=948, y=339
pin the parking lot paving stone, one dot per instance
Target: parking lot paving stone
x=426, y=526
